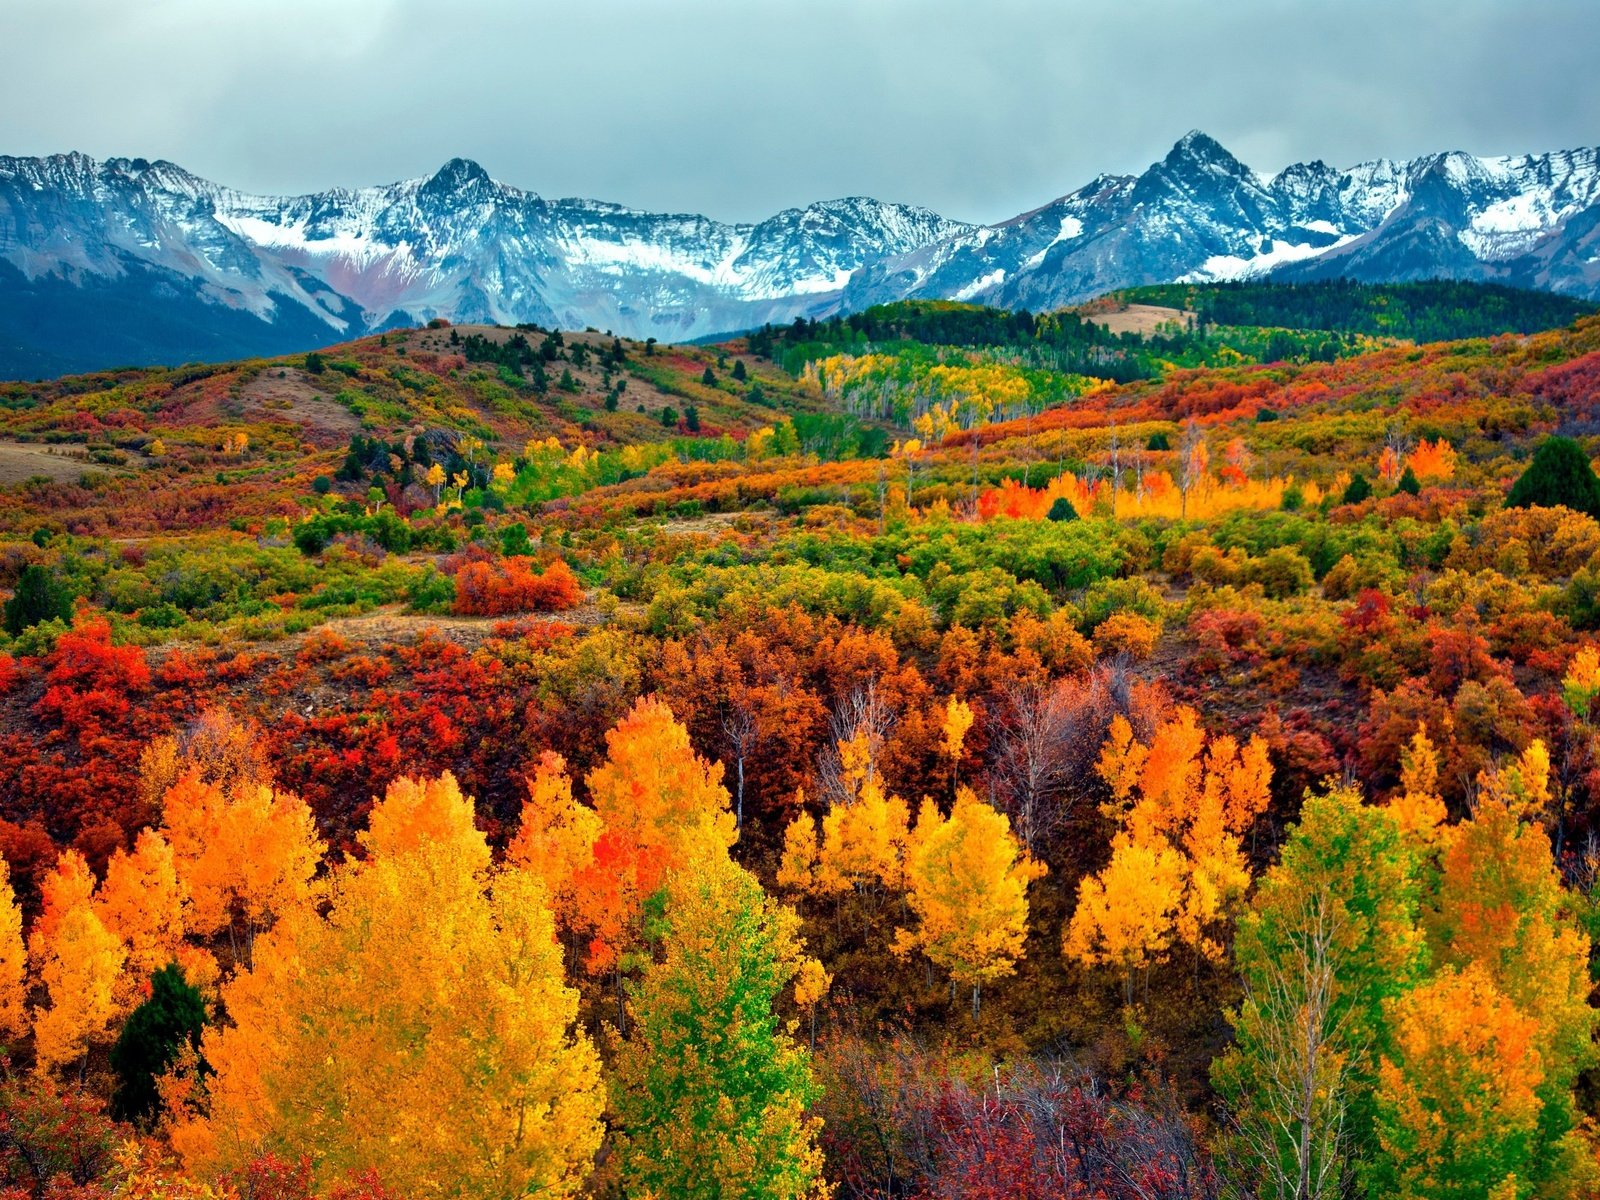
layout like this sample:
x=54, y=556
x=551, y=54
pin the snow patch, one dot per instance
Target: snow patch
x=982, y=284
x=1071, y=227
x=1220, y=267
x=1512, y=225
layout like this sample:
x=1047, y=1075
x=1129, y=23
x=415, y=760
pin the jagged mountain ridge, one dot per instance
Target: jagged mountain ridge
x=1200, y=214
x=104, y=261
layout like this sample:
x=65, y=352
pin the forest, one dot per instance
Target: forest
x=931, y=753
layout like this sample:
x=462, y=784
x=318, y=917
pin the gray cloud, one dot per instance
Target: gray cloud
x=737, y=108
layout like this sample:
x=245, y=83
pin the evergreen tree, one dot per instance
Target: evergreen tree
x=1559, y=474
x=1158, y=441
x=691, y=418
x=314, y=363
x=1409, y=484
x=669, y=416
x=709, y=378
x=355, y=460
x=1062, y=510
x=739, y=372
x=39, y=597
x=151, y=1040
x=1357, y=490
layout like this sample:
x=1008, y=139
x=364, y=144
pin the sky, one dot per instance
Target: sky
x=739, y=108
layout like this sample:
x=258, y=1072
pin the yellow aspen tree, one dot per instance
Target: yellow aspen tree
x=78, y=961
x=797, y=867
x=1417, y=807
x=1458, y=1102
x=556, y=835
x=1184, y=805
x=420, y=1027
x=13, y=962
x=1522, y=785
x=141, y=902
x=69, y=885
x=242, y=857
x=958, y=718
x=1500, y=906
x=435, y=479
x=216, y=747
x=863, y=841
x=811, y=986
x=418, y=812
x=1235, y=789
x=1126, y=915
x=654, y=789
x=968, y=878
x=660, y=806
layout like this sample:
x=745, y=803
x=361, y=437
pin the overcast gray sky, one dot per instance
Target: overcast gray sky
x=737, y=108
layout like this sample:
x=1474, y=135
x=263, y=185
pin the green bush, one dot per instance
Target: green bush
x=1559, y=475
x=39, y=597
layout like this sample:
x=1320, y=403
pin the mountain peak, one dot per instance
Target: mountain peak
x=1198, y=148
x=456, y=175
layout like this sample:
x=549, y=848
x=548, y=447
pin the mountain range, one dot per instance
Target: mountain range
x=126, y=260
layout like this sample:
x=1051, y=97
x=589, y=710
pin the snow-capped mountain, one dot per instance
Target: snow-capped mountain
x=1200, y=214
x=140, y=261
x=125, y=260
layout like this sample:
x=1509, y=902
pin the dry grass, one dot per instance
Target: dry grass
x=59, y=464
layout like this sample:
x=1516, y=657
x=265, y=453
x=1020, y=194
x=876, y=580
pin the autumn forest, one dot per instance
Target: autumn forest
x=933, y=752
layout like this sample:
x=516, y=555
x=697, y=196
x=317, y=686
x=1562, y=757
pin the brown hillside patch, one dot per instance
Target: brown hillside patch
x=20, y=461
x=1137, y=318
x=268, y=397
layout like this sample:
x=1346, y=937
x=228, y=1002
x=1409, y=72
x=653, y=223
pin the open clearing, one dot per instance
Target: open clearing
x=1139, y=318
x=60, y=464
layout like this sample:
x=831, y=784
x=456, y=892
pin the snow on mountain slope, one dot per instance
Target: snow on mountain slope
x=278, y=273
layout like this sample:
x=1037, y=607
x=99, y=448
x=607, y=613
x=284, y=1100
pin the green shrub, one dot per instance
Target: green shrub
x=1559, y=475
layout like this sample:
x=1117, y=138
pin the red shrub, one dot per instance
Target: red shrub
x=496, y=589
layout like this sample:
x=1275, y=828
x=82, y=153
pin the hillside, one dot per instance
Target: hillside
x=1038, y=672
x=496, y=387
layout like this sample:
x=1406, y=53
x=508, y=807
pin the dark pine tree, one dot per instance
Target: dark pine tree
x=151, y=1039
x=39, y=597
x=1559, y=475
x=1357, y=490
